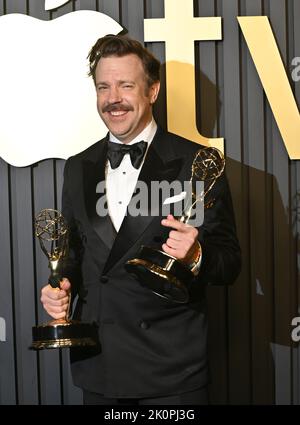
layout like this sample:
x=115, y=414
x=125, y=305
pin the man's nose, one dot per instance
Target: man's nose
x=115, y=95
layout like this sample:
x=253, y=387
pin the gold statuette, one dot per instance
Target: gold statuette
x=52, y=232
x=166, y=276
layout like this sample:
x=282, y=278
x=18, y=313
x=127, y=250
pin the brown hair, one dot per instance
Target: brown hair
x=121, y=45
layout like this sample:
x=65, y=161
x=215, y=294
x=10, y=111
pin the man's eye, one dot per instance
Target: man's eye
x=101, y=88
x=127, y=86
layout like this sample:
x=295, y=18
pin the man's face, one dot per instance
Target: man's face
x=124, y=100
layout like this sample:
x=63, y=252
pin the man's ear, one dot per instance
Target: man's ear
x=154, y=90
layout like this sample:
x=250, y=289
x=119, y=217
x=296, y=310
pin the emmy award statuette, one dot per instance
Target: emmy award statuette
x=166, y=276
x=52, y=232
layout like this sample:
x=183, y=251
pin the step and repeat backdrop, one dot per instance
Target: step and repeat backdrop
x=231, y=79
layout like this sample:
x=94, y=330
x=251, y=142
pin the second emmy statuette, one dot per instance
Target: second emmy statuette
x=166, y=276
x=52, y=231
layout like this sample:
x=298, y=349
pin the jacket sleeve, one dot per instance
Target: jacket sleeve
x=221, y=254
x=71, y=266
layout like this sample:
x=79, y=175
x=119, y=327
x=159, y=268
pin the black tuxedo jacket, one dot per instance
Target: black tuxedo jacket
x=148, y=346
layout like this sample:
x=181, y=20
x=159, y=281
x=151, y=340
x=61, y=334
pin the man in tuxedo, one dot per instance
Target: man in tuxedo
x=152, y=350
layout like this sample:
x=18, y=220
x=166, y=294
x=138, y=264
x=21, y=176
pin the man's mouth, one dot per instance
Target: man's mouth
x=117, y=113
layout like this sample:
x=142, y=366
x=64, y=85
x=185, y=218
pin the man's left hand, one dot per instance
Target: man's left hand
x=182, y=242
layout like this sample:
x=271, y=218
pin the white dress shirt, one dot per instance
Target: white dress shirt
x=121, y=181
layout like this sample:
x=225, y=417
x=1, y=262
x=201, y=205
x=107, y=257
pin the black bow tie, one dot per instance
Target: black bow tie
x=116, y=152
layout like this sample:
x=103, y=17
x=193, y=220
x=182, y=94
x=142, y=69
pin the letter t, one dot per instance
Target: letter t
x=179, y=29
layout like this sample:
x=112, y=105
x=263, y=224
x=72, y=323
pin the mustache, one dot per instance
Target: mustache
x=116, y=107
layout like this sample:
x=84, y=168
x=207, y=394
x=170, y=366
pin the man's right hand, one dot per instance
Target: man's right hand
x=55, y=301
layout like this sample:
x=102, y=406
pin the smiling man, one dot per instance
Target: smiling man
x=152, y=350
x=124, y=96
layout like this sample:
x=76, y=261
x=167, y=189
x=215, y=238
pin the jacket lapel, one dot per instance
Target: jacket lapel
x=94, y=194
x=160, y=164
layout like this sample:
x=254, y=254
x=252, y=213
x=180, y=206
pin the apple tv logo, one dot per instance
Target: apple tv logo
x=47, y=101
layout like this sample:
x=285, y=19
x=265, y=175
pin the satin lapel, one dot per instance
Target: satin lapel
x=94, y=191
x=155, y=168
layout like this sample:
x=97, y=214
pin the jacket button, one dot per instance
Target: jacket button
x=103, y=279
x=144, y=325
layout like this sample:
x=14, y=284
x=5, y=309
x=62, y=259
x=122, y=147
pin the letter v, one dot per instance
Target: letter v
x=266, y=56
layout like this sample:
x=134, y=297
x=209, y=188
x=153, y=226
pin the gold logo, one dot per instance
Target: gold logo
x=179, y=29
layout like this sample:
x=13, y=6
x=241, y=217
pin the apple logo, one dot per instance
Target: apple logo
x=47, y=101
x=53, y=4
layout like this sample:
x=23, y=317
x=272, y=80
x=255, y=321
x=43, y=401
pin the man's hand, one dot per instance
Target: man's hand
x=55, y=301
x=182, y=242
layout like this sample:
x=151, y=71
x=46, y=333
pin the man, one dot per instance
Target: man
x=152, y=350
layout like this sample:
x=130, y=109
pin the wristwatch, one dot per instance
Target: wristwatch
x=195, y=265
